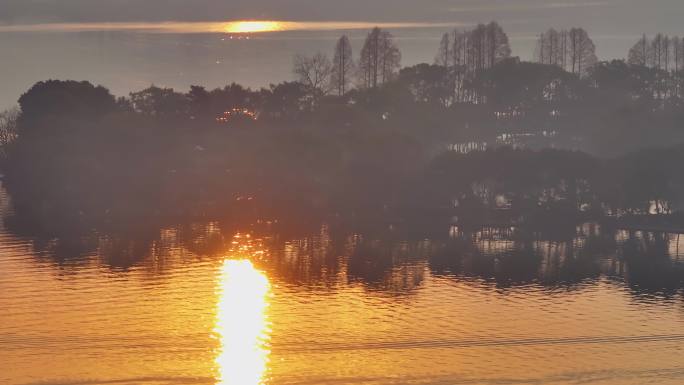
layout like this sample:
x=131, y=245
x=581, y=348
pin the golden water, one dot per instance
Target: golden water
x=250, y=314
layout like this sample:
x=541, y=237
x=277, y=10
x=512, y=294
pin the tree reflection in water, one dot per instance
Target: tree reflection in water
x=391, y=259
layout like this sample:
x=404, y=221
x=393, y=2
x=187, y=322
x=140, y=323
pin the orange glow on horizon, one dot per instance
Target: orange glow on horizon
x=235, y=27
x=253, y=26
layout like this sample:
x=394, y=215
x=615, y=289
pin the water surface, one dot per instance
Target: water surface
x=204, y=303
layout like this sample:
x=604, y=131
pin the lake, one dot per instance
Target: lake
x=219, y=303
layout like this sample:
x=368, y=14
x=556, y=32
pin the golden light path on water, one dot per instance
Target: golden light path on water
x=242, y=324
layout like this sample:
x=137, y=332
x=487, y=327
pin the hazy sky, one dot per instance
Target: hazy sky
x=598, y=16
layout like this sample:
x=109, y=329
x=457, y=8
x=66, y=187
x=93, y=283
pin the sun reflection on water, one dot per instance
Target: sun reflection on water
x=242, y=324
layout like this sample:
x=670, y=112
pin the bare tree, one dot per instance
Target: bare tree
x=582, y=53
x=314, y=73
x=640, y=53
x=571, y=50
x=677, y=62
x=368, y=60
x=380, y=59
x=564, y=37
x=666, y=53
x=464, y=52
x=343, y=65
x=657, y=47
x=390, y=57
x=444, y=55
x=480, y=48
x=550, y=48
x=459, y=52
x=678, y=53
x=476, y=49
x=662, y=52
x=681, y=54
x=496, y=42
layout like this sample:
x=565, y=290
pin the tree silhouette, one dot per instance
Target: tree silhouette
x=444, y=53
x=162, y=102
x=314, y=73
x=380, y=59
x=54, y=99
x=640, y=53
x=662, y=52
x=464, y=53
x=343, y=65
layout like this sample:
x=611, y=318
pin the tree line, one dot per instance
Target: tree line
x=572, y=50
x=378, y=64
x=465, y=52
x=661, y=52
x=77, y=145
x=364, y=123
x=506, y=186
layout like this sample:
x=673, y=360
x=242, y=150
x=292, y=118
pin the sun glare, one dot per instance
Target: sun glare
x=253, y=26
x=242, y=324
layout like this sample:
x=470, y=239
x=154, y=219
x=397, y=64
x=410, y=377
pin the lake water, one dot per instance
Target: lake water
x=206, y=303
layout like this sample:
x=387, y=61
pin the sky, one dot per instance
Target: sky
x=601, y=16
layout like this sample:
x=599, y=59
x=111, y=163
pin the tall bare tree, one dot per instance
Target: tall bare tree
x=678, y=53
x=571, y=50
x=657, y=46
x=676, y=47
x=666, y=53
x=496, y=43
x=551, y=47
x=480, y=48
x=582, y=53
x=459, y=62
x=444, y=54
x=380, y=59
x=390, y=57
x=640, y=52
x=343, y=65
x=367, y=67
x=564, y=45
x=662, y=52
x=476, y=49
x=465, y=52
x=681, y=53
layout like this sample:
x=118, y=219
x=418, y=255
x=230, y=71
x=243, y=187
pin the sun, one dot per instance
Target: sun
x=252, y=26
